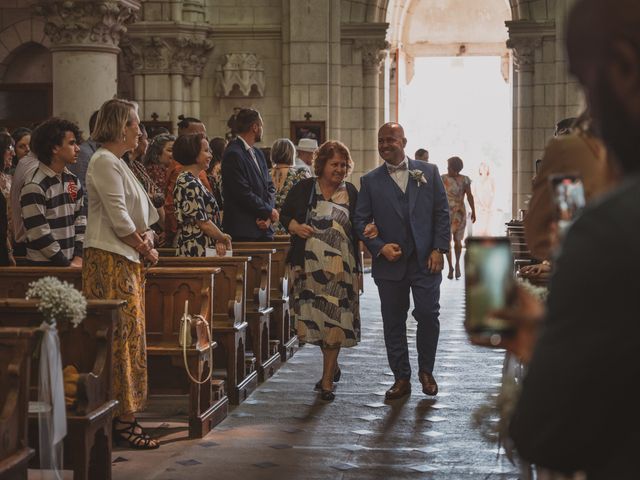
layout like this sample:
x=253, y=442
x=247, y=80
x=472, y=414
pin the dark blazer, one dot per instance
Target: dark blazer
x=249, y=194
x=577, y=410
x=4, y=231
x=428, y=210
x=296, y=206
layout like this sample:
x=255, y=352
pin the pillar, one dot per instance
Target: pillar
x=84, y=36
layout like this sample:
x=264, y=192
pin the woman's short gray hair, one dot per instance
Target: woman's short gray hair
x=283, y=151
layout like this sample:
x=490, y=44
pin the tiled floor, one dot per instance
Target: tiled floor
x=283, y=431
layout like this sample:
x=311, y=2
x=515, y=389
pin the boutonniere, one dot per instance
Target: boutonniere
x=418, y=176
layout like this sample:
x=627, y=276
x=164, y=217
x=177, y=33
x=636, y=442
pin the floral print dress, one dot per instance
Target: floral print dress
x=193, y=203
x=293, y=176
x=455, y=187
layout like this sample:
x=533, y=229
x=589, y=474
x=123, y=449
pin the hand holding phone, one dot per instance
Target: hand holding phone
x=489, y=281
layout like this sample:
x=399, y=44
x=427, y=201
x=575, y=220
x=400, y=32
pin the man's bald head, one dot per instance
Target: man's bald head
x=391, y=142
x=603, y=42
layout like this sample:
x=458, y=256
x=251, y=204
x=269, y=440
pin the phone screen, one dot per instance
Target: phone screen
x=489, y=281
x=568, y=198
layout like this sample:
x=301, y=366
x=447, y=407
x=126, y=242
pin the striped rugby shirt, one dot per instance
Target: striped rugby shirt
x=52, y=210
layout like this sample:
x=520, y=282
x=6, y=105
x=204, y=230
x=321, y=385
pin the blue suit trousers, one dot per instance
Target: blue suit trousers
x=394, y=297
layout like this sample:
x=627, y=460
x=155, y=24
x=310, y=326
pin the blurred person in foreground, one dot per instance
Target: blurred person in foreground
x=587, y=341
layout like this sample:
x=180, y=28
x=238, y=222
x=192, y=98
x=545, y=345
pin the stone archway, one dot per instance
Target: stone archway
x=543, y=91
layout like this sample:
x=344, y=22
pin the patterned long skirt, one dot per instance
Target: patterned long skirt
x=109, y=276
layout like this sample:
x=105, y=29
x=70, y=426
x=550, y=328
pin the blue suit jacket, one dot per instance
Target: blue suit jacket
x=249, y=194
x=428, y=211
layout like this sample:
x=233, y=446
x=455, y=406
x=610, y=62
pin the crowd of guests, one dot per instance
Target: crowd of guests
x=107, y=203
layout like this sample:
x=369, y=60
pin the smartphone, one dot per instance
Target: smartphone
x=490, y=283
x=568, y=197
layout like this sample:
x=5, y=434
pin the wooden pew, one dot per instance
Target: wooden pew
x=16, y=349
x=14, y=281
x=228, y=320
x=259, y=311
x=165, y=293
x=87, y=446
x=281, y=327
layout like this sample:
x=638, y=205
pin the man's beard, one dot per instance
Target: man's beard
x=615, y=126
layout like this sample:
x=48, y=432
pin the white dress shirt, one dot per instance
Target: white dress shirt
x=400, y=175
x=251, y=152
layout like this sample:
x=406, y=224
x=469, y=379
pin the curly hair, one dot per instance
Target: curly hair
x=456, y=164
x=326, y=152
x=50, y=134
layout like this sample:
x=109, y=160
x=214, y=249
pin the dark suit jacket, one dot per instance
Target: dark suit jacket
x=296, y=206
x=249, y=194
x=429, y=217
x=577, y=410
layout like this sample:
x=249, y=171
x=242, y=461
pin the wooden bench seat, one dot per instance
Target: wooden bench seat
x=281, y=328
x=229, y=323
x=88, y=347
x=166, y=290
x=16, y=350
x=259, y=311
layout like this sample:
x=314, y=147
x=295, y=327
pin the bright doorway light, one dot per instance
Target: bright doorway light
x=461, y=106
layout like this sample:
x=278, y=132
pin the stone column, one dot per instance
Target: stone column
x=84, y=36
x=523, y=161
x=373, y=54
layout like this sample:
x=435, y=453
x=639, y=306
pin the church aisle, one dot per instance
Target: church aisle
x=284, y=432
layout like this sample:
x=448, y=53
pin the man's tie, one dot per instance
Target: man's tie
x=396, y=168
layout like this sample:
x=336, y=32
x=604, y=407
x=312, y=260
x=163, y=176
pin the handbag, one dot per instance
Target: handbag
x=189, y=324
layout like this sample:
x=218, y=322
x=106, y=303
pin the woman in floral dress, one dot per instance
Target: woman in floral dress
x=197, y=212
x=284, y=174
x=457, y=186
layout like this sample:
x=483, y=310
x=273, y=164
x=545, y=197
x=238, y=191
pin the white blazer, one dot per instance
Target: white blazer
x=118, y=205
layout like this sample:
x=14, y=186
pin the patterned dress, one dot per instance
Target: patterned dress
x=158, y=173
x=193, y=203
x=455, y=187
x=109, y=276
x=325, y=295
x=293, y=176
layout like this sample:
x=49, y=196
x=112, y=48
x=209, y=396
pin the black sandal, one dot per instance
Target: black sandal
x=327, y=395
x=140, y=441
x=336, y=378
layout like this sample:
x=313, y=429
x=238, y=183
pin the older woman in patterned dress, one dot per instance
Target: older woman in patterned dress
x=117, y=240
x=197, y=211
x=325, y=259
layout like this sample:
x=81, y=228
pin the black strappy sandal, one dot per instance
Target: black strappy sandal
x=140, y=441
x=336, y=378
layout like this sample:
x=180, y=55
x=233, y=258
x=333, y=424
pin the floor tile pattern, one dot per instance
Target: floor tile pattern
x=285, y=432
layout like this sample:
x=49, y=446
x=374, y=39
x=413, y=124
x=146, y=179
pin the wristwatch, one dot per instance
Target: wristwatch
x=442, y=251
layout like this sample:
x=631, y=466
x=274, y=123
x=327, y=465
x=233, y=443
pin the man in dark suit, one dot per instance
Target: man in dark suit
x=577, y=409
x=249, y=194
x=407, y=201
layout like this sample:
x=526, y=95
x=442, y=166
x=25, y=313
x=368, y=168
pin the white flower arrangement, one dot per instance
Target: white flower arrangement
x=418, y=176
x=58, y=300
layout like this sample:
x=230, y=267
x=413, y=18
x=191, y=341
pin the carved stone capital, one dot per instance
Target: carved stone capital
x=240, y=75
x=190, y=54
x=373, y=54
x=182, y=54
x=524, y=50
x=86, y=24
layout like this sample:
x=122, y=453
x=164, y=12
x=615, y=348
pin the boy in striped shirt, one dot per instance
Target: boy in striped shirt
x=52, y=198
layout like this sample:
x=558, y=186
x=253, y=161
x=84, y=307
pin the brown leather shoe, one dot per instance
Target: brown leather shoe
x=399, y=389
x=429, y=385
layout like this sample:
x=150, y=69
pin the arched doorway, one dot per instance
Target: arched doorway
x=449, y=84
x=26, y=87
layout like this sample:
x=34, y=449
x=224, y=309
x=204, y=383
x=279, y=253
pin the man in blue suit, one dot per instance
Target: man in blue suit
x=408, y=203
x=249, y=194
